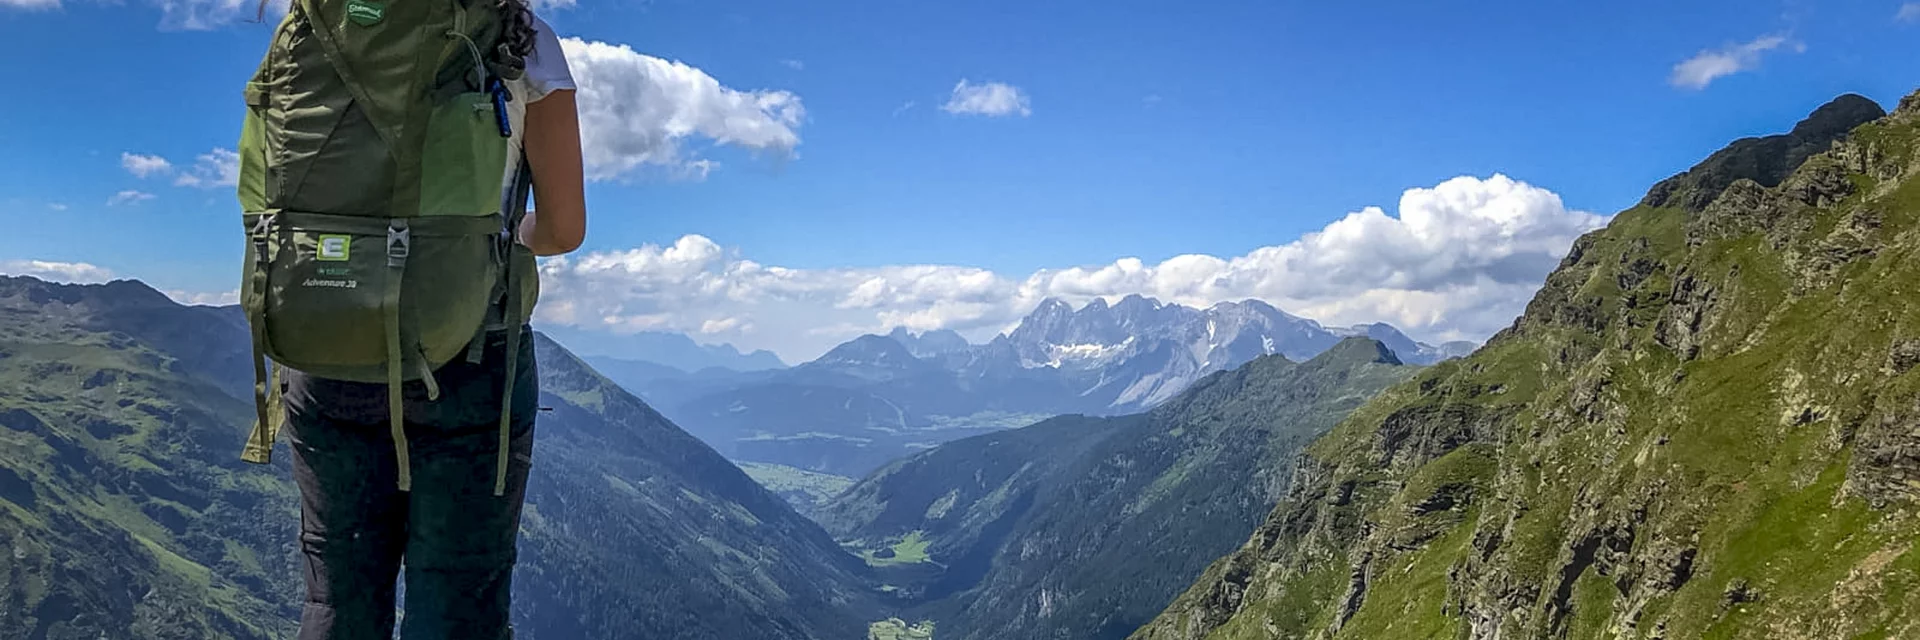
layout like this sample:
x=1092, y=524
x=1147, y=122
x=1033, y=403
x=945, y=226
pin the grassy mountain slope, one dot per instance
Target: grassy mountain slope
x=638, y=530
x=1085, y=527
x=124, y=509
x=126, y=513
x=1704, y=426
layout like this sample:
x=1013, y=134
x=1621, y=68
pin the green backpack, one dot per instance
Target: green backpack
x=371, y=167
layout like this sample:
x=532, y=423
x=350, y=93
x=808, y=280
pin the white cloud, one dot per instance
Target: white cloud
x=129, y=196
x=1909, y=13
x=638, y=110
x=1460, y=260
x=78, y=272
x=544, y=5
x=1712, y=64
x=57, y=206
x=990, y=99
x=795, y=65
x=200, y=15
x=216, y=168
x=30, y=4
x=904, y=107
x=214, y=299
x=724, y=325
x=144, y=166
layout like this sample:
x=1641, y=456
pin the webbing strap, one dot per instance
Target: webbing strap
x=398, y=243
x=515, y=324
x=513, y=315
x=259, y=448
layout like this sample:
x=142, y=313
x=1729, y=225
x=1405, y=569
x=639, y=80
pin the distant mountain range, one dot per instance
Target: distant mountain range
x=675, y=350
x=879, y=397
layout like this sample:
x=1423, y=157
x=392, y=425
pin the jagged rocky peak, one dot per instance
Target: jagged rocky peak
x=1909, y=107
x=1766, y=160
x=1056, y=322
x=929, y=344
x=1135, y=304
x=1834, y=119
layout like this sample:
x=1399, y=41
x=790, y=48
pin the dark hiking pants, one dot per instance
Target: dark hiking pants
x=452, y=535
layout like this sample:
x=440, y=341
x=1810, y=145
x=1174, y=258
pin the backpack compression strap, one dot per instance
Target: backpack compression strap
x=266, y=388
x=514, y=316
x=399, y=245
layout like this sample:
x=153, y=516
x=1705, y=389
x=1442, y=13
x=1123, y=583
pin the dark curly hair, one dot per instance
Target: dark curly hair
x=516, y=37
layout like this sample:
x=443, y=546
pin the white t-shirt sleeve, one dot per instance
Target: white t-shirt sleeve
x=547, y=66
x=546, y=73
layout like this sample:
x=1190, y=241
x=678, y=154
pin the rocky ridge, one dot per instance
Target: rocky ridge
x=1705, y=425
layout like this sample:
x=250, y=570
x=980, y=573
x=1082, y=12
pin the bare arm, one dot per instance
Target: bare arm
x=553, y=152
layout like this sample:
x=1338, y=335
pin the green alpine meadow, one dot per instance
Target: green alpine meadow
x=1706, y=425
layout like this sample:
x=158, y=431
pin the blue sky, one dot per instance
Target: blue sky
x=1149, y=130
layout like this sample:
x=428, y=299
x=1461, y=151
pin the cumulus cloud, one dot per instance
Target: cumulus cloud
x=638, y=110
x=144, y=166
x=1909, y=13
x=30, y=4
x=1713, y=64
x=991, y=99
x=216, y=168
x=129, y=196
x=77, y=272
x=1458, y=261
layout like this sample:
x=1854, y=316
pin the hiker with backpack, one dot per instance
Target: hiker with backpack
x=389, y=282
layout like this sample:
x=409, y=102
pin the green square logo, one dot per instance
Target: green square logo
x=332, y=248
x=366, y=12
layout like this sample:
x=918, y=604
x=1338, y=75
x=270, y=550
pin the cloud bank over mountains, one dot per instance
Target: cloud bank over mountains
x=1457, y=260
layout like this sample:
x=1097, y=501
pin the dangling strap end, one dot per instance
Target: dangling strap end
x=477, y=350
x=426, y=378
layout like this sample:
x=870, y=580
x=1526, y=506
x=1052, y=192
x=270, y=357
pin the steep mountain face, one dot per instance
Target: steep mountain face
x=878, y=398
x=624, y=507
x=669, y=349
x=1704, y=426
x=126, y=513
x=942, y=346
x=1764, y=160
x=1084, y=527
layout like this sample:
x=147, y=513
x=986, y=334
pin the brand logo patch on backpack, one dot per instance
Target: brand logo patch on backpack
x=334, y=248
x=366, y=12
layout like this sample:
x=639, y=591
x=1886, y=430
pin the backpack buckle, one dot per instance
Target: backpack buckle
x=399, y=243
